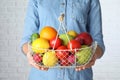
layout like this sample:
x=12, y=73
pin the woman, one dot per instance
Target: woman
x=81, y=16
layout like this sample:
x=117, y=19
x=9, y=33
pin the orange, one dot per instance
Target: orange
x=48, y=33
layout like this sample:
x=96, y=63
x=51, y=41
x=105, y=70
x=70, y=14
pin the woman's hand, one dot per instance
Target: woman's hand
x=32, y=62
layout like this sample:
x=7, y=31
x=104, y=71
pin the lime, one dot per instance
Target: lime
x=34, y=36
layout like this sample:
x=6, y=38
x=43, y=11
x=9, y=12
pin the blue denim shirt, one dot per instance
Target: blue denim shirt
x=80, y=15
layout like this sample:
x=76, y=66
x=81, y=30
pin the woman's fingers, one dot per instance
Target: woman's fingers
x=32, y=62
x=80, y=68
x=35, y=65
x=43, y=68
x=91, y=63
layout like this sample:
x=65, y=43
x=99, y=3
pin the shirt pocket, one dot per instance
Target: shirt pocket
x=79, y=11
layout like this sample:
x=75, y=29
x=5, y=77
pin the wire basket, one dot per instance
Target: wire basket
x=71, y=58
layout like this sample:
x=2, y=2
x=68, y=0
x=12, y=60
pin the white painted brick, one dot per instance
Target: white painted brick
x=11, y=36
x=3, y=75
x=16, y=75
x=10, y=48
x=3, y=48
x=3, y=10
x=22, y=70
x=3, y=65
x=13, y=42
x=3, y=42
x=14, y=65
x=8, y=59
x=8, y=70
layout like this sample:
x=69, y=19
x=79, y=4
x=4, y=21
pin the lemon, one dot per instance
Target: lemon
x=40, y=45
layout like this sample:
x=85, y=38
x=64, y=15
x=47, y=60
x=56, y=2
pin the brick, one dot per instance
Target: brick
x=10, y=48
x=11, y=36
x=3, y=10
x=3, y=53
x=16, y=75
x=24, y=70
x=3, y=75
x=8, y=70
x=12, y=42
x=14, y=65
x=3, y=42
x=3, y=65
x=3, y=48
x=7, y=59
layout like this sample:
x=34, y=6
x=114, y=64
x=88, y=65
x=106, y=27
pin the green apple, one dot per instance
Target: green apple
x=84, y=55
x=65, y=38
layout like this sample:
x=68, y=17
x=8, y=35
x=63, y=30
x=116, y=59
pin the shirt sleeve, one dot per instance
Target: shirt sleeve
x=95, y=23
x=31, y=22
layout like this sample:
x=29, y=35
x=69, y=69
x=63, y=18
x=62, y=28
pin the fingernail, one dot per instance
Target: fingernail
x=83, y=67
x=76, y=69
x=42, y=68
x=39, y=67
x=79, y=69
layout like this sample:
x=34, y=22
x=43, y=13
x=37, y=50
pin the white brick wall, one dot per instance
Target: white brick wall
x=13, y=66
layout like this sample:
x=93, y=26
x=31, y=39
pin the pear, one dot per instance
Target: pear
x=84, y=55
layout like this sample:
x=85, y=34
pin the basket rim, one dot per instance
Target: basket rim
x=91, y=46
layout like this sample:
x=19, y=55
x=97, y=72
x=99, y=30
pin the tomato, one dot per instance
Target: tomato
x=55, y=42
x=61, y=52
x=74, y=44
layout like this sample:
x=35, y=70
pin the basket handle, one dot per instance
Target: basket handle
x=62, y=26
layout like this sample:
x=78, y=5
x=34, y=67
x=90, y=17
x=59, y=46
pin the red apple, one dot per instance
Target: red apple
x=61, y=52
x=55, y=42
x=84, y=38
x=74, y=44
x=37, y=58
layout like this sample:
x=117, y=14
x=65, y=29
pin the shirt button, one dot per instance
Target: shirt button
x=62, y=3
x=73, y=17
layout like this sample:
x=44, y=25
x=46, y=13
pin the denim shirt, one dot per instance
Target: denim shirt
x=80, y=15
